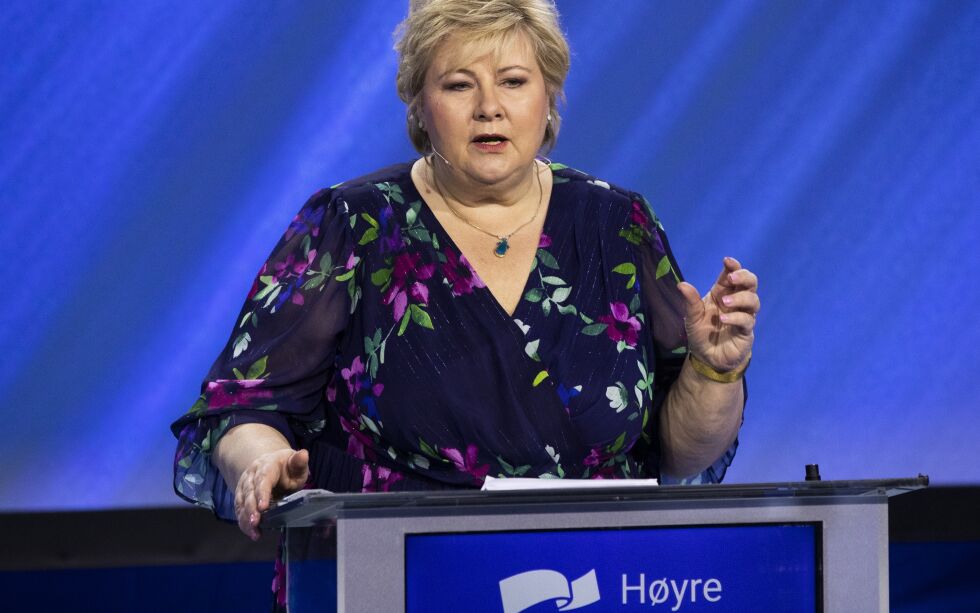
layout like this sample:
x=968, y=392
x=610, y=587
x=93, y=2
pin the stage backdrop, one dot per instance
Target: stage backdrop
x=152, y=152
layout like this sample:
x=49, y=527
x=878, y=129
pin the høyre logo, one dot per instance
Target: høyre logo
x=524, y=590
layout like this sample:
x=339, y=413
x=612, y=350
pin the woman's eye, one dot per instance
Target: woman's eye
x=457, y=86
x=513, y=82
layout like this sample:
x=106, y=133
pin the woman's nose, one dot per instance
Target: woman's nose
x=488, y=106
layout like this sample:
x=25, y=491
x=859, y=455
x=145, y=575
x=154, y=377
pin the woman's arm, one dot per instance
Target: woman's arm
x=699, y=420
x=257, y=462
x=703, y=411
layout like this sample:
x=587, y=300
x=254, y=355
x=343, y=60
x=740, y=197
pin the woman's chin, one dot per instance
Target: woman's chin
x=492, y=169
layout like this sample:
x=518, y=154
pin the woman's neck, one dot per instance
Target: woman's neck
x=470, y=193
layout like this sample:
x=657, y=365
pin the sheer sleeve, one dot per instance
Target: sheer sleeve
x=663, y=308
x=276, y=363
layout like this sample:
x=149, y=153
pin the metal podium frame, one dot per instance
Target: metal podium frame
x=367, y=531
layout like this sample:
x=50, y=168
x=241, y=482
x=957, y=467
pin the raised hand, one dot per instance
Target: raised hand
x=720, y=325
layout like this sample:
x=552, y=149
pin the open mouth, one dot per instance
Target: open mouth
x=490, y=139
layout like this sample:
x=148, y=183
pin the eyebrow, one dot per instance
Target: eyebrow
x=470, y=72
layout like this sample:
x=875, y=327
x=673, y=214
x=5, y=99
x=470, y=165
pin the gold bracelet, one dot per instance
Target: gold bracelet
x=705, y=369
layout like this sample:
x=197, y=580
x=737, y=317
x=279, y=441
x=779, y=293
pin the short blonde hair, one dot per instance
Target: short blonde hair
x=430, y=22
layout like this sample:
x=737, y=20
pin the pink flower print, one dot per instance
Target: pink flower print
x=279, y=582
x=306, y=221
x=544, y=241
x=594, y=458
x=232, y=392
x=461, y=276
x=378, y=478
x=390, y=233
x=639, y=216
x=292, y=266
x=621, y=326
x=255, y=282
x=407, y=277
x=358, y=381
x=598, y=459
x=358, y=443
x=352, y=375
x=467, y=464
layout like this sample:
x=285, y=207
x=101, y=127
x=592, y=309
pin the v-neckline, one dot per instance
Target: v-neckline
x=433, y=224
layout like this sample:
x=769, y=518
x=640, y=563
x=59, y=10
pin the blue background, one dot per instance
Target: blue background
x=760, y=568
x=152, y=152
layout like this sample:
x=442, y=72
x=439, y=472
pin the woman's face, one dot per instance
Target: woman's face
x=486, y=110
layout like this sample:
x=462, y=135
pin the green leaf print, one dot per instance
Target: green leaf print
x=420, y=234
x=618, y=443
x=374, y=224
x=420, y=317
x=429, y=450
x=534, y=295
x=561, y=294
x=380, y=277
x=369, y=235
x=270, y=284
x=547, y=259
x=628, y=269
x=404, y=322
x=315, y=282
x=257, y=369
x=241, y=344
x=594, y=329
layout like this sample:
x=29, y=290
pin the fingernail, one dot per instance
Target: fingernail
x=731, y=277
x=251, y=518
x=723, y=318
x=727, y=300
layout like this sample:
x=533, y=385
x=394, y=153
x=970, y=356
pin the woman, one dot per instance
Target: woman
x=476, y=312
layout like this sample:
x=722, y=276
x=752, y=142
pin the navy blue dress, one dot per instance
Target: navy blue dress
x=368, y=339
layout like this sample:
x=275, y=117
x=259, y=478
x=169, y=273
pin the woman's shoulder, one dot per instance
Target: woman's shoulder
x=591, y=195
x=588, y=182
x=367, y=191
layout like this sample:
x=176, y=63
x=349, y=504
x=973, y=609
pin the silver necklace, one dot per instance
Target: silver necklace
x=502, y=246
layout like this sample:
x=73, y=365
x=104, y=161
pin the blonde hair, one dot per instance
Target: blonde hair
x=430, y=22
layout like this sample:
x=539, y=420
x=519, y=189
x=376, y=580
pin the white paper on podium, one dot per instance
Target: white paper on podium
x=495, y=484
x=301, y=494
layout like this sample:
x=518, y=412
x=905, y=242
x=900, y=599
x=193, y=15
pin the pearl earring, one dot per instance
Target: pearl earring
x=549, y=117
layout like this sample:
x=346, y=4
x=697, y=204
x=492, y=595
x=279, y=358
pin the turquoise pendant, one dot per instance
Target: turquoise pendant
x=501, y=248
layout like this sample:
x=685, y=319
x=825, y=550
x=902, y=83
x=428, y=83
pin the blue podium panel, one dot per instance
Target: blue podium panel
x=754, y=567
x=807, y=546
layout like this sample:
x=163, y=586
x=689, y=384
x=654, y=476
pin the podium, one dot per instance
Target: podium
x=797, y=546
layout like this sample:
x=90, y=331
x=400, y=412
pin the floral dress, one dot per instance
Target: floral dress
x=368, y=339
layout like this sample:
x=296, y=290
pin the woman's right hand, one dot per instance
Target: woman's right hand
x=271, y=474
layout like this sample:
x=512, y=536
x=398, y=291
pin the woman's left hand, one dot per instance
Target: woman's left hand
x=720, y=325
